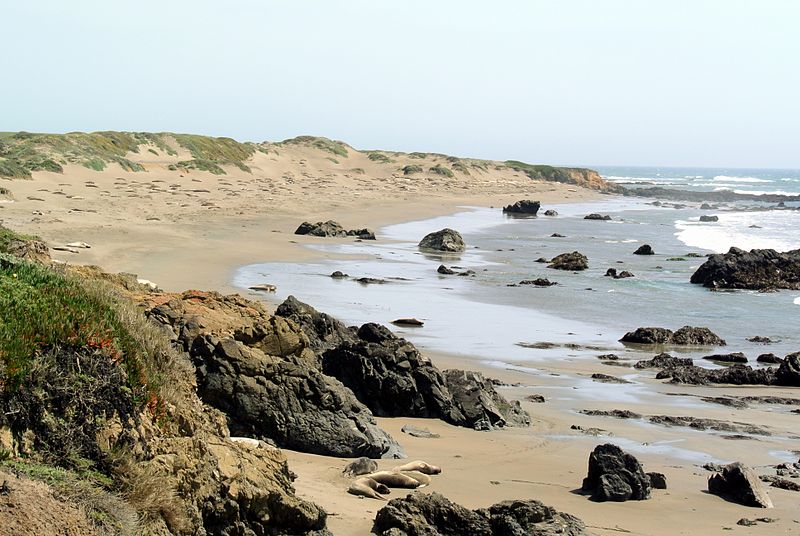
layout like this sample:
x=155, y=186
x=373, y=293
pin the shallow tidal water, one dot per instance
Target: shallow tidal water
x=482, y=317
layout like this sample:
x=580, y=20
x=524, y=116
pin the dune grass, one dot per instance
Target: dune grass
x=334, y=147
x=439, y=169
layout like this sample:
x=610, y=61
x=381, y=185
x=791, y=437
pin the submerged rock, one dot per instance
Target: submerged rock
x=447, y=240
x=615, y=475
x=525, y=206
x=758, y=269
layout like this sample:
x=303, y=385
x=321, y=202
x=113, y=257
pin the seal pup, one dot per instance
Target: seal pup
x=367, y=487
x=394, y=479
x=423, y=479
x=419, y=465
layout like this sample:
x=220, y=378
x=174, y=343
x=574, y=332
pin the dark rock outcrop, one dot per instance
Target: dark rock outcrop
x=599, y=217
x=665, y=362
x=735, y=375
x=685, y=336
x=758, y=269
x=538, y=282
x=657, y=480
x=432, y=514
x=770, y=359
x=615, y=475
x=444, y=270
x=644, y=249
x=574, y=262
x=331, y=228
x=483, y=408
x=738, y=483
x=789, y=371
x=323, y=331
x=624, y=274
x=447, y=240
x=260, y=371
x=525, y=206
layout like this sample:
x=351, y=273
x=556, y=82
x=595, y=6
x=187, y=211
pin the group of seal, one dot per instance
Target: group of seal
x=411, y=475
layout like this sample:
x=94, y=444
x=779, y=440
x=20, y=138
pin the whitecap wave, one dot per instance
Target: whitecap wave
x=726, y=178
x=797, y=301
x=776, y=230
x=765, y=192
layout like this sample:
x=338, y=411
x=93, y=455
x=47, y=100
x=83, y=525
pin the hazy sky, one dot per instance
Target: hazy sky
x=592, y=82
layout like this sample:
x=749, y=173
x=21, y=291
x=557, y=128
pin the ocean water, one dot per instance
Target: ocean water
x=586, y=313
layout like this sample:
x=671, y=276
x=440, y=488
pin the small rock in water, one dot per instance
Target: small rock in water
x=542, y=260
x=550, y=212
x=339, y=275
x=539, y=282
x=599, y=217
x=644, y=249
x=419, y=432
x=408, y=322
x=557, y=235
x=759, y=339
x=539, y=399
x=705, y=218
x=445, y=270
x=370, y=281
x=608, y=357
x=735, y=357
x=605, y=378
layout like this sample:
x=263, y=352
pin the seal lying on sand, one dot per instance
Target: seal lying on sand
x=367, y=487
x=395, y=480
x=423, y=479
x=419, y=465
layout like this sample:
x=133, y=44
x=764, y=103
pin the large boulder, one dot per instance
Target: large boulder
x=525, y=206
x=323, y=331
x=331, y=228
x=390, y=376
x=740, y=484
x=260, y=371
x=421, y=514
x=615, y=475
x=447, y=240
x=685, y=336
x=483, y=408
x=574, y=262
x=758, y=269
x=789, y=371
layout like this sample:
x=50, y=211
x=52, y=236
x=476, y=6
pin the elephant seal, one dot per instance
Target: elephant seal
x=360, y=466
x=423, y=479
x=394, y=480
x=367, y=487
x=419, y=465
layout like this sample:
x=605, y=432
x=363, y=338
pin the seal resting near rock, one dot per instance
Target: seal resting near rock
x=419, y=465
x=394, y=479
x=368, y=487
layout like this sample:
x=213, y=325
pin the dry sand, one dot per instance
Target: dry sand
x=192, y=229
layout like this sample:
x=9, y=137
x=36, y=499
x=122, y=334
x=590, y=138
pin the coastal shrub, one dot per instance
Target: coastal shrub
x=219, y=150
x=411, y=169
x=358, y=171
x=95, y=164
x=379, y=157
x=331, y=159
x=152, y=151
x=460, y=167
x=439, y=169
x=324, y=144
x=201, y=165
x=542, y=172
x=418, y=155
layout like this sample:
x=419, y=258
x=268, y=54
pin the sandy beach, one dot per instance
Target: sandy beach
x=193, y=229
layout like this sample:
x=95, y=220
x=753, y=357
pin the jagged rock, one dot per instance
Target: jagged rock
x=360, y=466
x=432, y=514
x=644, y=249
x=780, y=483
x=615, y=475
x=664, y=361
x=331, y=228
x=707, y=218
x=789, y=371
x=260, y=371
x=759, y=269
x=735, y=375
x=574, y=262
x=444, y=270
x=735, y=357
x=550, y=212
x=770, y=359
x=685, y=336
x=525, y=206
x=695, y=336
x=738, y=483
x=323, y=331
x=391, y=377
x=29, y=250
x=483, y=408
x=446, y=240
x=657, y=480
x=595, y=216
